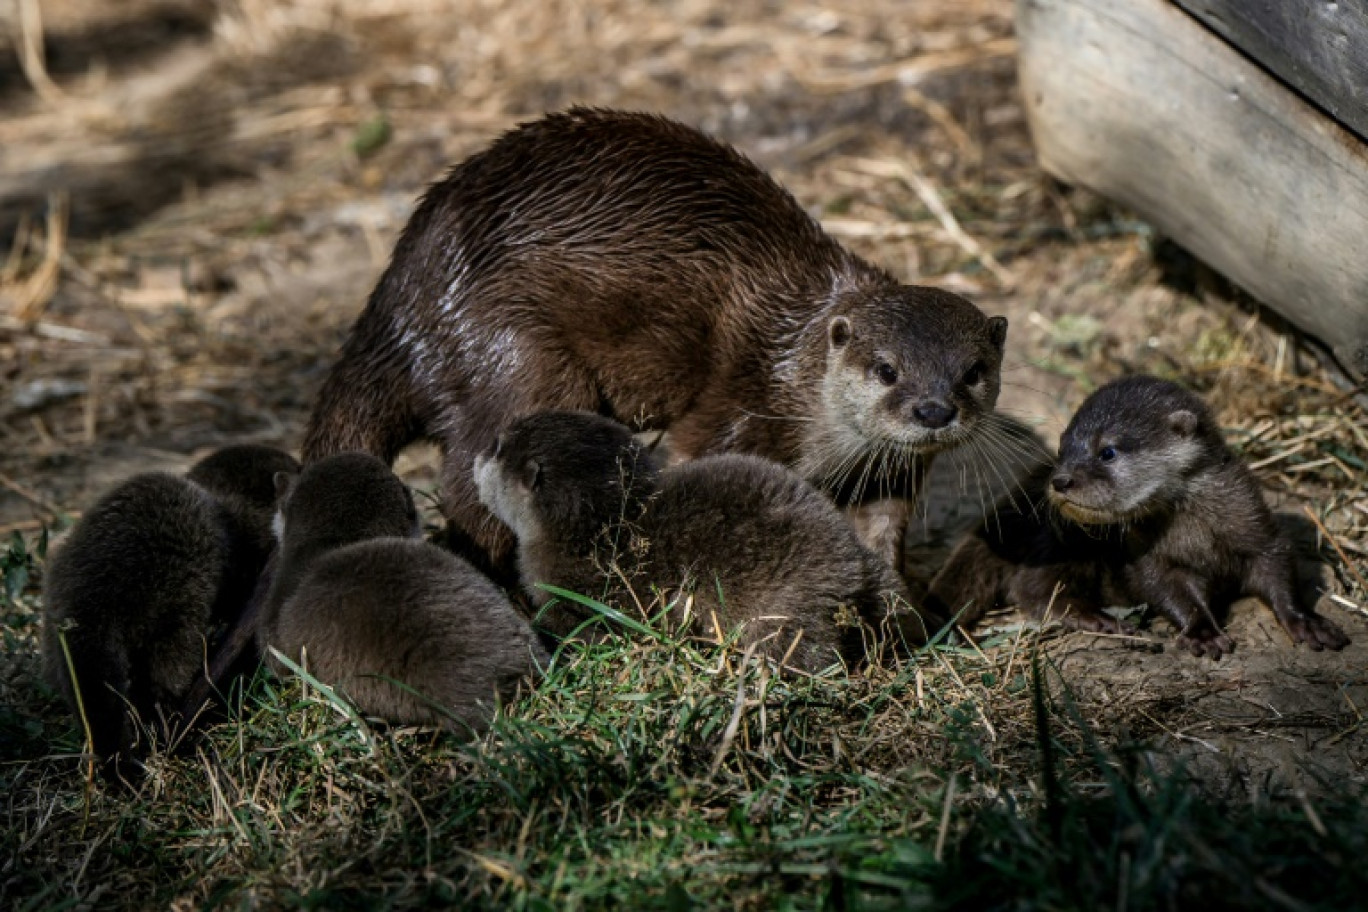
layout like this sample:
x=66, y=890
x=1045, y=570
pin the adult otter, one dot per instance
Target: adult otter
x=629, y=265
x=1147, y=504
x=750, y=542
x=136, y=587
x=365, y=603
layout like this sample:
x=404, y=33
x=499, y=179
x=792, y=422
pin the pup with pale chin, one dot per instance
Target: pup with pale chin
x=1146, y=504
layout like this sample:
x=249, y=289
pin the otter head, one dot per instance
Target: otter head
x=344, y=498
x=914, y=369
x=565, y=475
x=1131, y=450
x=244, y=471
x=243, y=478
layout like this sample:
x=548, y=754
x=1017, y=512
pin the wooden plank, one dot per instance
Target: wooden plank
x=1319, y=48
x=1138, y=102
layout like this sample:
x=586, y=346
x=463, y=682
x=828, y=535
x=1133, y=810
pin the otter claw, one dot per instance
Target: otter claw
x=1316, y=632
x=1206, y=643
x=1091, y=622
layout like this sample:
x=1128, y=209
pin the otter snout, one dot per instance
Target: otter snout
x=934, y=413
x=1084, y=496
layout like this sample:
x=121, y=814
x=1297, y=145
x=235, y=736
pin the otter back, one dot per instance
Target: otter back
x=757, y=546
x=374, y=613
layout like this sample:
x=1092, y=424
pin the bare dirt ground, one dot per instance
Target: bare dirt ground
x=197, y=198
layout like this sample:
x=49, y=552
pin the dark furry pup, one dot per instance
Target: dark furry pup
x=1147, y=504
x=750, y=541
x=629, y=265
x=136, y=587
x=365, y=603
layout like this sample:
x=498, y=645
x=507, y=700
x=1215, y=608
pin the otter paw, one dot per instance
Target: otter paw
x=1316, y=632
x=1092, y=622
x=1206, y=641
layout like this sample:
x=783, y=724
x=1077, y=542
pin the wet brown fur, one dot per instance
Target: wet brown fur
x=631, y=266
x=1174, y=519
x=140, y=583
x=753, y=543
x=364, y=603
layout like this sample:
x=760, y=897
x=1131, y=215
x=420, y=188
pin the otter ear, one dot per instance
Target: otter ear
x=838, y=331
x=284, y=481
x=1182, y=422
x=532, y=474
x=997, y=332
x=655, y=454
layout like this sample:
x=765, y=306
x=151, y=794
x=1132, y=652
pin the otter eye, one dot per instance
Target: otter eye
x=886, y=373
x=1106, y=454
x=974, y=375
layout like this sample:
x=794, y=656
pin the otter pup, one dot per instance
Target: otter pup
x=365, y=603
x=750, y=541
x=629, y=265
x=1147, y=504
x=138, y=584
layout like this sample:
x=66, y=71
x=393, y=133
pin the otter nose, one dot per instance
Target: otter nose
x=934, y=414
x=1061, y=483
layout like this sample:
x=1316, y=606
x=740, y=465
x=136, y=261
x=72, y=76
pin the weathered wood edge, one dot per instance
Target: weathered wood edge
x=1318, y=48
x=1138, y=102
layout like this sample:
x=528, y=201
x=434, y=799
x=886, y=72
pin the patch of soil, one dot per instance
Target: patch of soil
x=1270, y=719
